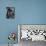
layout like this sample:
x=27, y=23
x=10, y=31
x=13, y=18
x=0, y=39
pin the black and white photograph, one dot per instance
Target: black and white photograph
x=10, y=12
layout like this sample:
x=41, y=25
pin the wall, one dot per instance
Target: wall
x=27, y=12
x=31, y=11
x=6, y=25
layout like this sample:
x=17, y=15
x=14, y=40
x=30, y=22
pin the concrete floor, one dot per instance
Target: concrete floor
x=30, y=43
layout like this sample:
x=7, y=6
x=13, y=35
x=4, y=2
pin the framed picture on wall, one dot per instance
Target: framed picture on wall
x=10, y=12
x=33, y=32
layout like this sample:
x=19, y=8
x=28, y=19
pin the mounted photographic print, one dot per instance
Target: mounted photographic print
x=32, y=32
x=10, y=12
